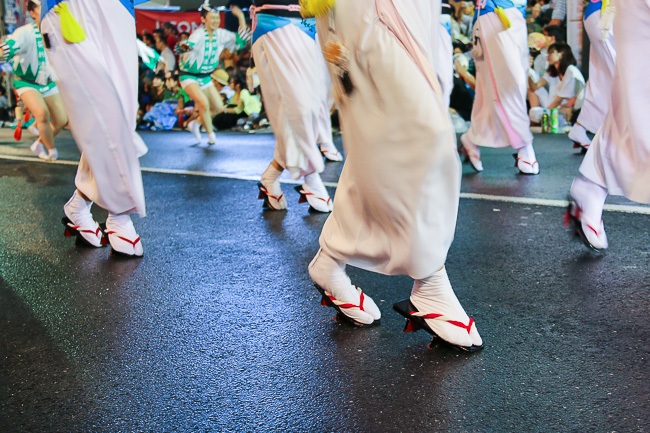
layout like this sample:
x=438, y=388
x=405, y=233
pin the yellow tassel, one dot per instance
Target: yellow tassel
x=502, y=16
x=70, y=28
x=603, y=7
x=315, y=8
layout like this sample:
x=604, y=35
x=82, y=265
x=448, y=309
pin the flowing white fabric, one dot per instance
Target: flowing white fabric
x=397, y=198
x=619, y=156
x=290, y=66
x=325, y=119
x=99, y=86
x=602, y=60
x=445, y=64
x=499, y=114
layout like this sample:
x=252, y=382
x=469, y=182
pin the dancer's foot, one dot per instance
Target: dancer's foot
x=51, y=155
x=38, y=148
x=195, y=128
x=578, y=134
x=80, y=222
x=592, y=234
x=526, y=161
x=437, y=310
x=472, y=153
x=212, y=139
x=313, y=192
x=330, y=152
x=585, y=212
x=122, y=235
x=270, y=189
x=338, y=292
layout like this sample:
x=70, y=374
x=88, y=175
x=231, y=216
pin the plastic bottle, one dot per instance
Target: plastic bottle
x=545, y=122
x=554, y=121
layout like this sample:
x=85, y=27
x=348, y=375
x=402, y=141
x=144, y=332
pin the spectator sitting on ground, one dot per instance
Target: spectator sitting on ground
x=184, y=106
x=159, y=92
x=554, y=35
x=243, y=105
x=221, y=80
x=566, y=85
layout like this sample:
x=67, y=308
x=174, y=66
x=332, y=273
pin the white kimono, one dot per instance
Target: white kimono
x=602, y=59
x=499, y=114
x=98, y=79
x=397, y=198
x=290, y=67
x=619, y=156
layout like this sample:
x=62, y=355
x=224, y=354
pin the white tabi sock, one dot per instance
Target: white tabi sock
x=319, y=199
x=435, y=295
x=578, y=134
x=77, y=209
x=527, y=161
x=122, y=235
x=590, y=197
x=330, y=276
x=271, y=181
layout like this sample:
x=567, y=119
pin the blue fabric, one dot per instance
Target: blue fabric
x=447, y=27
x=592, y=7
x=267, y=23
x=490, y=5
x=46, y=5
x=160, y=117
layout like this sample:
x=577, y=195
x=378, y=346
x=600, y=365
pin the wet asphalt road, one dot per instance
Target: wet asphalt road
x=218, y=328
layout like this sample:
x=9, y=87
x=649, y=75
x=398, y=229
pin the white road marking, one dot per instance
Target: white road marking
x=643, y=210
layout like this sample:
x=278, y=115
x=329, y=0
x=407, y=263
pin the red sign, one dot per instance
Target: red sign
x=184, y=21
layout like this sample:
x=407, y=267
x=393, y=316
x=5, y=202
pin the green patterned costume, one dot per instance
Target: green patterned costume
x=24, y=49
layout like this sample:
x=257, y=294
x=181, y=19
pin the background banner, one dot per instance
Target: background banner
x=147, y=20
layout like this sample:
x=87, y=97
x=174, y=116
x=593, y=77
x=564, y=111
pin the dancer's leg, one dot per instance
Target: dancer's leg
x=436, y=301
x=215, y=104
x=35, y=103
x=329, y=275
x=589, y=201
x=270, y=189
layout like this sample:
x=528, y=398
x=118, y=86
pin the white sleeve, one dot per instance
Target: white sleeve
x=227, y=39
x=567, y=87
x=13, y=43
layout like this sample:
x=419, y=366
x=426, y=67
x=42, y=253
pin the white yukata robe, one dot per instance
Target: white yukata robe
x=397, y=198
x=499, y=114
x=292, y=76
x=325, y=123
x=445, y=62
x=619, y=156
x=602, y=60
x=99, y=87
